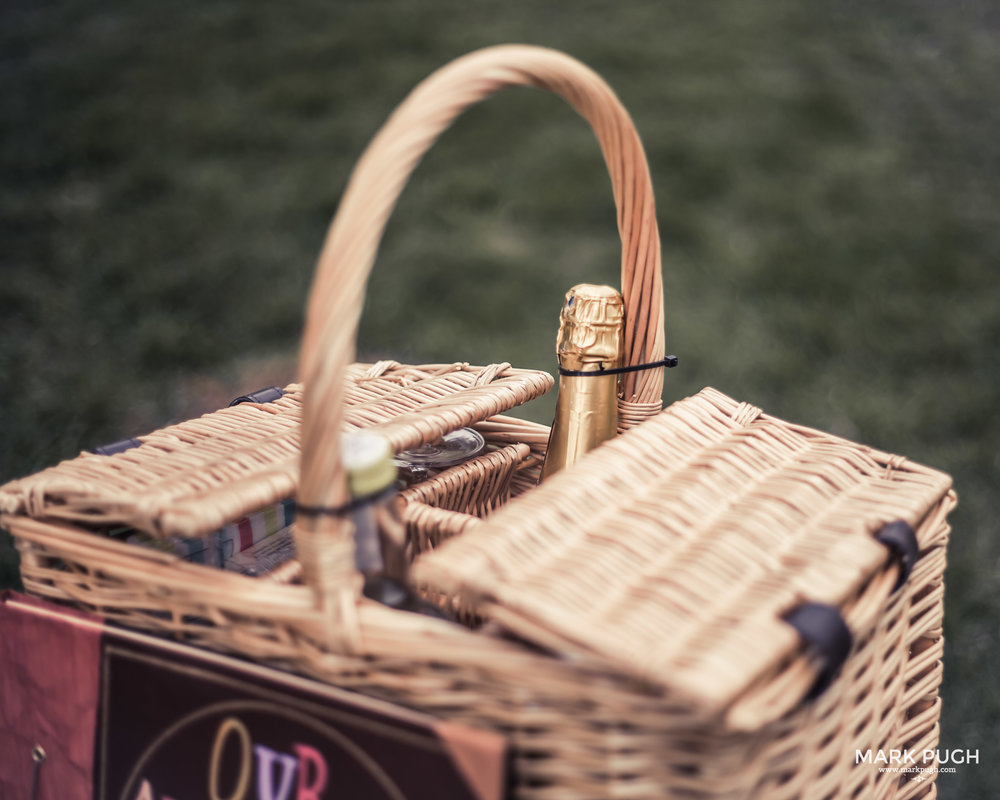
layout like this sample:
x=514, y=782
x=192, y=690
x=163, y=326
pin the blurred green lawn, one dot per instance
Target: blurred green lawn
x=826, y=177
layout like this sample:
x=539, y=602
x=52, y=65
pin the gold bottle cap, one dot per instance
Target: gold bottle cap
x=590, y=328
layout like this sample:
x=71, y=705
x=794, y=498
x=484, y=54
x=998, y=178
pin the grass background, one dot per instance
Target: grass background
x=826, y=180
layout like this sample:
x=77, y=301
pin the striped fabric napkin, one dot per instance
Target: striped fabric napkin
x=216, y=548
x=244, y=533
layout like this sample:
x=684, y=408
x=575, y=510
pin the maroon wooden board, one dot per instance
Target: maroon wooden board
x=124, y=716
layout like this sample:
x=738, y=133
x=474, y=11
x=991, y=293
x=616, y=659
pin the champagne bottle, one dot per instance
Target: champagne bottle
x=591, y=327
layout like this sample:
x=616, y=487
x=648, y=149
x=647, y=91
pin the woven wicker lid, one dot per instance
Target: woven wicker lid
x=672, y=552
x=191, y=478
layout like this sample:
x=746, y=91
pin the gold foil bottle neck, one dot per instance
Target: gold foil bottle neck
x=590, y=328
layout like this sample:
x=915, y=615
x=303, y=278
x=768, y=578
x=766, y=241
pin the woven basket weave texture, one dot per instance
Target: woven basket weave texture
x=635, y=643
x=191, y=478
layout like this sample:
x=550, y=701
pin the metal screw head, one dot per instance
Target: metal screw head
x=38, y=754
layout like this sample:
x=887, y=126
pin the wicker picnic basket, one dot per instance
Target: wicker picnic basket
x=715, y=604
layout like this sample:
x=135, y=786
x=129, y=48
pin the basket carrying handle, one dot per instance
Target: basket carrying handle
x=328, y=346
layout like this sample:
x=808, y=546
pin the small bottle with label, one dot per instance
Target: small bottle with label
x=381, y=553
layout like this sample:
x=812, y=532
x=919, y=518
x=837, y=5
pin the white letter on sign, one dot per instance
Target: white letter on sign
x=265, y=773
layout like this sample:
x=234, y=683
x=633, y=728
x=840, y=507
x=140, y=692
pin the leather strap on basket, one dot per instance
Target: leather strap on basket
x=337, y=293
x=823, y=629
x=901, y=539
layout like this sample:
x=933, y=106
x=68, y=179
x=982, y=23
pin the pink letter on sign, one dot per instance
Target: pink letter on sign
x=310, y=790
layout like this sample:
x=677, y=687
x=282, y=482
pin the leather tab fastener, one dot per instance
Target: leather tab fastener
x=268, y=395
x=823, y=629
x=901, y=539
x=115, y=447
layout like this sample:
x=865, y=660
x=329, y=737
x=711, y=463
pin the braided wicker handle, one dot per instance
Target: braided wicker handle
x=328, y=346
